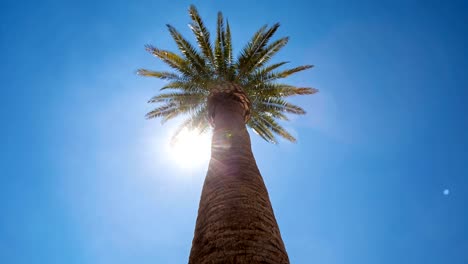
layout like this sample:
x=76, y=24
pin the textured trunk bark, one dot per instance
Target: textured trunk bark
x=235, y=222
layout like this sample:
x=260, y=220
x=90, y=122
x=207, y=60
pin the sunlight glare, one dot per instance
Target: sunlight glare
x=191, y=149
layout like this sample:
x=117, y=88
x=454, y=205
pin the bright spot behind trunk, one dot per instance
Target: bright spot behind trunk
x=190, y=149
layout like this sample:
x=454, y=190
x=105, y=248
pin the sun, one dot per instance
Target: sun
x=191, y=149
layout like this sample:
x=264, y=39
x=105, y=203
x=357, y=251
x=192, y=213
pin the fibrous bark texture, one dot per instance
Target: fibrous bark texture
x=235, y=221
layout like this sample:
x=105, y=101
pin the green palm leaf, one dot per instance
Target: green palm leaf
x=197, y=121
x=158, y=74
x=202, y=34
x=282, y=90
x=228, y=47
x=281, y=105
x=275, y=127
x=260, y=129
x=250, y=56
x=173, y=60
x=264, y=56
x=190, y=53
x=219, y=47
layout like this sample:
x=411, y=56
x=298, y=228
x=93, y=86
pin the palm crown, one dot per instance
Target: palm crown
x=197, y=69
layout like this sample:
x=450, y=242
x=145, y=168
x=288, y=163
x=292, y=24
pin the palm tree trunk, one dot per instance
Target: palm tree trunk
x=235, y=222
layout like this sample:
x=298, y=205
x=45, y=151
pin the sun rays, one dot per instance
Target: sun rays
x=190, y=149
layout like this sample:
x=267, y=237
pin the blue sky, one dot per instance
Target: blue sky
x=84, y=178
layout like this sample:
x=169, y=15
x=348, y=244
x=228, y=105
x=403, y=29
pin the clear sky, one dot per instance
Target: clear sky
x=379, y=173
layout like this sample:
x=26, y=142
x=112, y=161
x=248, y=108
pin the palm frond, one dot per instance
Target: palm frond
x=246, y=61
x=179, y=98
x=260, y=77
x=282, y=90
x=260, y=129
x=278, y=115
x=273, y=67
x=162, y=111
x=219, y=46
x=289, y=72
x=190, y=53
x=264, y=56
x=196, y=121
x=202, y=34
x=158, y=74
x=228, y=53
x=271, y=124
x=187, y=85
x=171, y=59
x=274, y=112
x=281, y=105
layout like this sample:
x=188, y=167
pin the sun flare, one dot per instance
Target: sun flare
x=191, y=149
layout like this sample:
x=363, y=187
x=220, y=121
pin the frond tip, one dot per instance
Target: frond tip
x=158, y=74
x=195, y=67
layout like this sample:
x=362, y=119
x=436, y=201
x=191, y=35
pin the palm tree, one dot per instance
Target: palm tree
x=235, y=222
